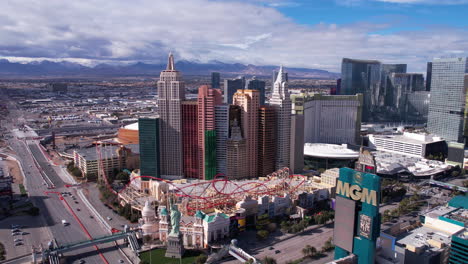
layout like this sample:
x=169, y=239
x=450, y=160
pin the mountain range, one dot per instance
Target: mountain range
x=47, y=68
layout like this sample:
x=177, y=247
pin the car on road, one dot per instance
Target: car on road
x=277, y=251
x=78, y=209
x=271, y=248
x=109, y=218
x=16, y=234
x=91, y=216
x=15, y=230
x=18, y=244
x=18, y=240
x=121, y=261
x=82, y=261
x=24, y=233
x=76, y=202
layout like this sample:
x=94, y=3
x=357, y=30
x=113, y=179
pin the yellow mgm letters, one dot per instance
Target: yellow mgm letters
x=357, y=193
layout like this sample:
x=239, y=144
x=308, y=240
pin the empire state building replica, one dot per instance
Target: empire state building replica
x=171, y=92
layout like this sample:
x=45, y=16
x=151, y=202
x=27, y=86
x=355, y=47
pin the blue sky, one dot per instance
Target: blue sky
x=402, y=16
x=295, y=33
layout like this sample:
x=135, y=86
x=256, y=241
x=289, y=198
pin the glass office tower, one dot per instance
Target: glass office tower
x=447, y=107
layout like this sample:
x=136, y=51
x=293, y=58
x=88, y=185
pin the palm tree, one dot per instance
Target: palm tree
x=306, y=250
x=313, y=251
x=268, y=260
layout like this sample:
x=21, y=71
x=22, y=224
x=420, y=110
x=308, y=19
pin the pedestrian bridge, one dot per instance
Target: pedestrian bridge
x=130, y=236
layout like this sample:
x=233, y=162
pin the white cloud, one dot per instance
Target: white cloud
x=203, y=30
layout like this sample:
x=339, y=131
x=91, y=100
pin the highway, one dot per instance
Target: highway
x=53, y=210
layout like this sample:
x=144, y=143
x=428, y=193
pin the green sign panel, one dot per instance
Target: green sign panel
x=363, y=189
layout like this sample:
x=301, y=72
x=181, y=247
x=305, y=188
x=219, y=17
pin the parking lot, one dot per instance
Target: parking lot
x=31, y=233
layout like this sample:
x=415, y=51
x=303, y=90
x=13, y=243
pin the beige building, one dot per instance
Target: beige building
x=113, y=157
x=249, y=101
x=197, y=231
x=236, y=154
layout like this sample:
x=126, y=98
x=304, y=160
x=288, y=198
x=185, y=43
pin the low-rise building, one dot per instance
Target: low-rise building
x=113, y=157
x=411, y=144
x=198, y=231
x=439, y=237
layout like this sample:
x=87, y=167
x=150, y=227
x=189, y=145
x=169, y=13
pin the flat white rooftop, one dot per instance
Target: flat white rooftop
x=411, y=138
x=333, y=151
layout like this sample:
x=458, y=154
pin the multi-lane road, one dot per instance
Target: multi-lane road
x=84, y=223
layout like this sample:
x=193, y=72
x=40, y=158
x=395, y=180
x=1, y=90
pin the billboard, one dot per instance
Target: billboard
x=344, y=223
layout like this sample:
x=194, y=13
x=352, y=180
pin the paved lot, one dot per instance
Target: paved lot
x=36, y=235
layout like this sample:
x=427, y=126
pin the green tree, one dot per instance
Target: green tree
x=455, y=173
x=465, y=183
x=306, y=250
x=122, y=176
x=201, y=259
x=262, y=234
x=268, y=260
x=328, y=245
x=147, y=239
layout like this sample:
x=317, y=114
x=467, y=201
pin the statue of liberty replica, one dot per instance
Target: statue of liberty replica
x=175, y=245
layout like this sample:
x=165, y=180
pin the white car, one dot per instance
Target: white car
x=109, y=218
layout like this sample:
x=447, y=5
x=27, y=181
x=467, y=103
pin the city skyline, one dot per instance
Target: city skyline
x=393, y=31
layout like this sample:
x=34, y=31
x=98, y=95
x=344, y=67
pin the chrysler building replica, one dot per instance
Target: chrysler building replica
x=171, y=92
x=281, y=102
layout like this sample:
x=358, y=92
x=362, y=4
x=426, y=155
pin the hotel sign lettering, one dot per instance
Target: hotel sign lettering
x=357, y=193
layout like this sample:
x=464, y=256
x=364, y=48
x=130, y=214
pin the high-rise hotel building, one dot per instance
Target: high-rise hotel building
x=208, y=99
x=249, y=101
x=190, y=139
x=222, y=135
x=148, y=134
x=266, y=141
x=281, y=102
x=171, y=93
x=447, y=107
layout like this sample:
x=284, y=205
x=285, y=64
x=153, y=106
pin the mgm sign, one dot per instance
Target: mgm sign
x=357, y=219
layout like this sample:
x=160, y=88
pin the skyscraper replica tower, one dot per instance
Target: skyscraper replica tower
x=281, y=102
x=171, y=92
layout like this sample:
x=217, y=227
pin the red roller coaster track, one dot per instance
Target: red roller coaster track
x=220, y=192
